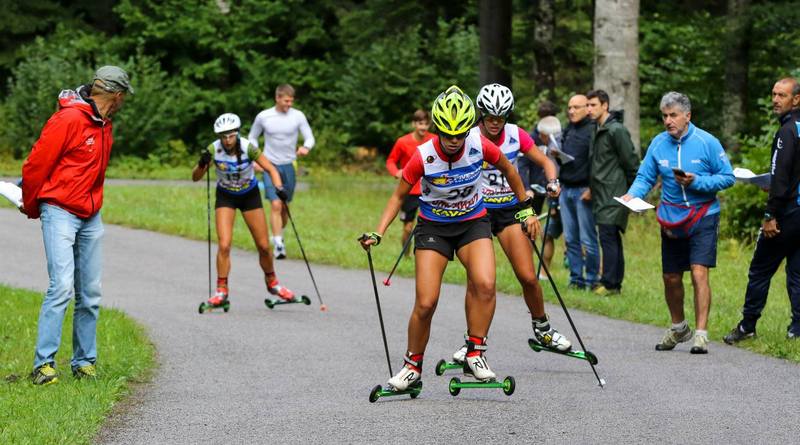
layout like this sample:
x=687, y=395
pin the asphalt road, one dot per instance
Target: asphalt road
x=297, y=375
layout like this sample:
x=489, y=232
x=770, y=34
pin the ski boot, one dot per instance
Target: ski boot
x=407, y=381
x=458, y=361
x=475, y=365
x=546, y=338
x=219, y=300
x=285, y=296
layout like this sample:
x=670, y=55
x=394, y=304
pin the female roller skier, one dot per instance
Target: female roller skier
x=452, y=221
x=495, y=103
x=237, y=188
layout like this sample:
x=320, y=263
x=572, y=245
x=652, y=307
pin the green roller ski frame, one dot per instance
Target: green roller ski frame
x=272, y=303
x=379, y=391
x=204, y=306
x=582, y=355
x=507, y=385
x=444, y=365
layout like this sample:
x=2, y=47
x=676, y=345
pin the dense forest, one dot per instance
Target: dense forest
x=361, y=67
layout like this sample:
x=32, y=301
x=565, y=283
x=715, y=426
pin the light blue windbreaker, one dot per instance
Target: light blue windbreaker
x=697, y=152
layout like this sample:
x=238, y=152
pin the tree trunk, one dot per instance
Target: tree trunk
x=616, y=58
x=737, y=51
x=495, y=41
x=543, y=18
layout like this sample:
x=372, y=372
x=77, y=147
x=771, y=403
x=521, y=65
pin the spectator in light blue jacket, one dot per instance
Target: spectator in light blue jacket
x=693, y=167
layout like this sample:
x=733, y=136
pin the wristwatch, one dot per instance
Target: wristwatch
x=768, y=216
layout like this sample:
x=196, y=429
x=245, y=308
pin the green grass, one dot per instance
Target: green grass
x=69, y=411
x=337, y=208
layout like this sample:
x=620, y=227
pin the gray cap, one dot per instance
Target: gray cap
x=114, y=78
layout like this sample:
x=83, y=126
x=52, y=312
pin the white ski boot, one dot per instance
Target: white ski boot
x=548, y=337
x=460, y=355
x=410, y=374
x=475, y=363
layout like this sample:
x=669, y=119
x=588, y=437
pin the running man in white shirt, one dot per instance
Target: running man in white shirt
x=280, y=126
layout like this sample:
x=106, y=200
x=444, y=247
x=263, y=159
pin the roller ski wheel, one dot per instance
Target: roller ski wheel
x=271, y=303
x=581, y=355
x=508, y=385
x=379, y=391
x=205, y=306
x=443, y=365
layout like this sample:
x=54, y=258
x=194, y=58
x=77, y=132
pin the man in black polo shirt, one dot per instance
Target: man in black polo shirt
x=780, y=232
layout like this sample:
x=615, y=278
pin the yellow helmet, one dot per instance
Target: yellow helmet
x=453, y=112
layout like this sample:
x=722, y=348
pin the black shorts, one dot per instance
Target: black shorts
x=447, y=238
x=408, y=211
x=501, y=218
x=244, y=202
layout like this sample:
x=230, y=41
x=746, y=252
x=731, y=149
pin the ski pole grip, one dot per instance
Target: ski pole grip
x=371, y=235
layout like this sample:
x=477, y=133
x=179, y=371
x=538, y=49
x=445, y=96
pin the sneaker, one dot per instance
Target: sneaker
x=738, y=334
x=460, y=355
x=279, y=251
x=282, y=292
x=793, y=335
x=602, y=291
x=700, y=345
x=552, y=339
x=672, y=338
x=44, y=375
x=83, y=372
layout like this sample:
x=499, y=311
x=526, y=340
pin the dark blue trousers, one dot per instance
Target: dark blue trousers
x=766, y=259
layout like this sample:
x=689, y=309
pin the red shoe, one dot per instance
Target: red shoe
x=219, y=298
x=283, y=293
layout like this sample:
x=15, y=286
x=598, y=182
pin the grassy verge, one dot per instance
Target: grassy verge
x=337, y=208
x=70, y=411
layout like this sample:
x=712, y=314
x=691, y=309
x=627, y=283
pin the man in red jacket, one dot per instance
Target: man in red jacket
x=62, y=182
x=404, y=147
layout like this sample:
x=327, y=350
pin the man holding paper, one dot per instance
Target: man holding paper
x=780, y=232
x=693, y=167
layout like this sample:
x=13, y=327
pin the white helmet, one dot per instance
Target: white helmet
x=227, y=122
x=495, y=100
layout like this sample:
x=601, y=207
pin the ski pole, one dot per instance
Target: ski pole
x=388, y=280
x=208, y=224
x=544, y=240
x=378, y=303
x=600, y=381
x=323, y=307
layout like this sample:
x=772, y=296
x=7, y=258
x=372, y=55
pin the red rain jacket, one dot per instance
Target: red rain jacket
x=67, y=165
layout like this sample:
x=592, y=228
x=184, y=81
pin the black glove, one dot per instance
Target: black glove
x=281, y=193
x=205, y=159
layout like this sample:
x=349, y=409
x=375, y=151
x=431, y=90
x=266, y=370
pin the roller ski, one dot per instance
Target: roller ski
x=475, y=366
x=456, y=363
x=285, y=296
x=407, y=381
x=219, y=300
x=546, y=338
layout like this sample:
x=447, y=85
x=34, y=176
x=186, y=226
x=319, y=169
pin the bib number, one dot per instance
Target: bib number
x=460, y=193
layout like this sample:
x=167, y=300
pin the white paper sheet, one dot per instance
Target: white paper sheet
x=11, y=192
x=748, y=177
x=635, y=204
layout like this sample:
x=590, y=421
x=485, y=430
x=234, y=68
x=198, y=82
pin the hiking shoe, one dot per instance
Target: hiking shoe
x=672, y=338
x=738, y=334
x=791, y=335
x=602, y=291
x=44, y=375
x=85, y=372
x=700, y=345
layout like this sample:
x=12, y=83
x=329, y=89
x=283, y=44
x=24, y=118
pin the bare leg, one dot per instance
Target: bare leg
x=478, y=259
x=407, y=228
x=257, y=224
x=673, y=292
x=276, y=217
x=549, y=251
x=224, y=217
x=702, y=295
x=430, y=266
x=519, y=252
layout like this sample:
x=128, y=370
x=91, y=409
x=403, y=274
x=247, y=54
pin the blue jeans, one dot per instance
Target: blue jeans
x=579, y=231
x=73, y=249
